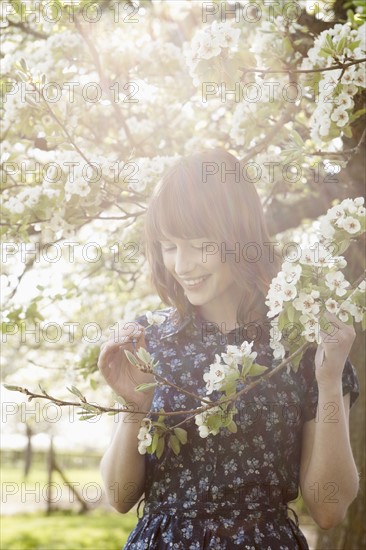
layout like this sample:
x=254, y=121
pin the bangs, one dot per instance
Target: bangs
x=183, y=207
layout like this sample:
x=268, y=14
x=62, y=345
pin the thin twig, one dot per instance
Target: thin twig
x=304, y=71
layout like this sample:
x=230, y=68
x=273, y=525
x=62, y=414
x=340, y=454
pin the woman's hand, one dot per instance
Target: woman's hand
x=332, y=353
x=118, y=372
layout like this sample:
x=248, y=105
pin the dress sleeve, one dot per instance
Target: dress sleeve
x=350, y=383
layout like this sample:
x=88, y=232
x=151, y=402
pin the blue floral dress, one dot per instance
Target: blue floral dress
x=228, y=491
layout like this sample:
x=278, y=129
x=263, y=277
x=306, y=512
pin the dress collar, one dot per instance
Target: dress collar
x=175, y=325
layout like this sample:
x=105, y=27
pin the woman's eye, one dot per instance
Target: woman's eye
x=167, y=248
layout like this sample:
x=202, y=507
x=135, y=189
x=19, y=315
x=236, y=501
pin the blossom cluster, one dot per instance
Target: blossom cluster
x=211, y=420
x=28, y=198
x=314, y=283
x=227, y=370
x=144, y=436
x=336, y=88
x=211, y=42
x=344, y=219
x=148, y=171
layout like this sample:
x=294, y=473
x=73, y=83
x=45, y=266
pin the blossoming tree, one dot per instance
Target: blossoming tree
x=100, y=97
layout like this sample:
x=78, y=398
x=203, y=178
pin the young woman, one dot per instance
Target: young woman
x=212, y=261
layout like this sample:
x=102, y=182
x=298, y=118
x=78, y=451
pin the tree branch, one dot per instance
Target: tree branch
x=302, y=71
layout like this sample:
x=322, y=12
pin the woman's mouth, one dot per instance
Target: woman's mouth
x=195, y=283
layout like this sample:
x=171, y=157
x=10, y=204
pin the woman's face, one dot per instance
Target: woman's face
x=207, y=281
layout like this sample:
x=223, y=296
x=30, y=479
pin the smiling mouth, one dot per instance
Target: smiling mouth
x=195, y=283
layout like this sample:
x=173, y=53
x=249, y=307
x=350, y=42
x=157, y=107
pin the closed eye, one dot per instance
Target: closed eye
x=166, y=246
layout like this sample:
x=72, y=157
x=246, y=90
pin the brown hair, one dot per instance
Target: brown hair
x=224, y=206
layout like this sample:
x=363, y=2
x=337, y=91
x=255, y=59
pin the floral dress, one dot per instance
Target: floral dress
x=231, y=490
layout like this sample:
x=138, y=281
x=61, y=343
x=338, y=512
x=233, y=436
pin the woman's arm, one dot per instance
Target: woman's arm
x=328, y=475
x=122, y=466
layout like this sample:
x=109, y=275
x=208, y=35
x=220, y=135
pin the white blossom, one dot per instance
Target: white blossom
x=215, y=377
x=291, y=272
x=306, y=303
x=274, y=306
x=362, y=285
x=278, y=350
x=350, y=205
x=331, y=305
x=154, y=318
x=144, y=437
x=349, y=224
x=340, y=116
x=336, y=282
x=345, y=101
x=311, y=326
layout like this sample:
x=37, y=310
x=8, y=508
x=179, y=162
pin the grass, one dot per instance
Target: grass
x=62, y=530
x=96, y=530
x=39, y=475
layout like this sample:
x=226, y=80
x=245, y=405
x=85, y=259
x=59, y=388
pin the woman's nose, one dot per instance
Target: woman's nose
x=184, y=261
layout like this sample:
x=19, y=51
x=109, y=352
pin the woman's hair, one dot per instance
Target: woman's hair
x=206, y=195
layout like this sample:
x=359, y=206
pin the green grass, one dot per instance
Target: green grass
x=62, y=530
x=39, y=475
x=66, y=531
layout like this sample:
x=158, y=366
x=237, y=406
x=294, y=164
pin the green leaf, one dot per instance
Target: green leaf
x=282, y=321
x=363, y=321
x=232, y=427
x=343, y=245
x=93, y=384
x=214, y=422
x=17, y=6
x=143, y=355
x=148, y=386
x=347, y=130
x=12, y=388
x=120, y=399
x=296, y=360
x=291, y=314
x=181, y=435
x=23, y=64
x=132, y=359
x=21, y=75
x=329, y=41
x=160, y=447
x=327, y=51
x=341, y=44
x=357, y=115
x=76, y=392
x=297, y=138
x=154, y=443
x=85, y=416
x=174, y=444
x=257, y=369
x=90, y=408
